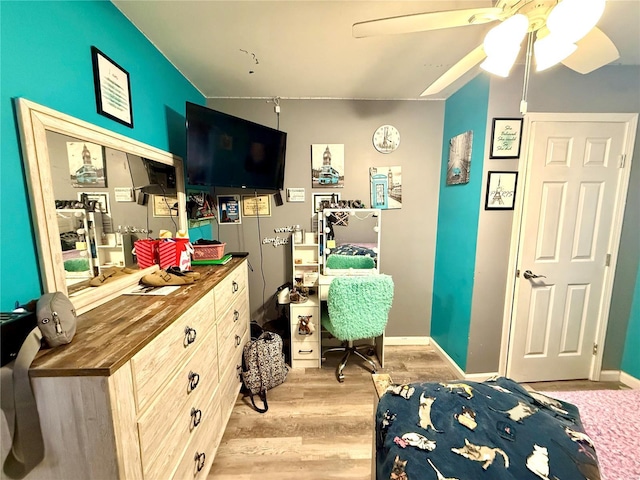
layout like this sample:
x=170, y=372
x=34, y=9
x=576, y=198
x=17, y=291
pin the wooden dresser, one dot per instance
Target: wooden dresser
x=146, y=388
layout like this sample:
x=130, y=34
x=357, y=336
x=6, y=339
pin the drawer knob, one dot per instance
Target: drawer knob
x=199, y=459
x=194, y=379
x=189, y=336
x=238, y=340
x=236, y=315
x=196, y=417
x=234, y=286
x=305, y=351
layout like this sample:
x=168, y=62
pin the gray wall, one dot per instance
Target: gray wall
x=608, y=90
x=408, y=234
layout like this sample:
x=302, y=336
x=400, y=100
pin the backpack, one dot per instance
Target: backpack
x=263, y=366
x=56, y=325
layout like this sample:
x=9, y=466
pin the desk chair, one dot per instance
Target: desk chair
x=357, y=308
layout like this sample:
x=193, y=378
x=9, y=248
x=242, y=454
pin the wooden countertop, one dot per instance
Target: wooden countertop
x=108, y=336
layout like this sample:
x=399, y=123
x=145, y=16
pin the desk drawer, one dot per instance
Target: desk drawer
x=153, y=366
x=167, y=424
x=307, y=349
x=230, y=288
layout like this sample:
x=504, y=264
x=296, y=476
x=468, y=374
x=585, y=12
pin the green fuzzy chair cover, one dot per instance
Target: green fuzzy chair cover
x=358, y=307
x=349, y=261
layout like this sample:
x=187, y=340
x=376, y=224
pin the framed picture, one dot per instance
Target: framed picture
x=506, y=138
x=501, y=190
x=101, y=199
x=229, y=210
x=113, y=89
x=86, y=164
x=256, y=205
x=327, y=165
x=319, y=198
x=386, y=187
x=459, y=164
x=165, y=206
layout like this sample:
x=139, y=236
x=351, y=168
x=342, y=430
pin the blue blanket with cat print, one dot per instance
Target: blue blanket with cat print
x=468, y=430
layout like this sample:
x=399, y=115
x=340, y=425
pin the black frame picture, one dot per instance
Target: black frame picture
x=113, y=89
x=506, y=138
x=501, y=190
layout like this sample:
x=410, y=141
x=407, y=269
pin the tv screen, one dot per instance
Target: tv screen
x=227, y=151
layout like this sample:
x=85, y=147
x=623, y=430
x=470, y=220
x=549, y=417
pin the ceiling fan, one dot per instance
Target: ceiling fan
x=565, y=31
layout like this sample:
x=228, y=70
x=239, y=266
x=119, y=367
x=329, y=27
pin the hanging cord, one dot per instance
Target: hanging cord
x=527, y=74
x=164, y=197
x=264, y=281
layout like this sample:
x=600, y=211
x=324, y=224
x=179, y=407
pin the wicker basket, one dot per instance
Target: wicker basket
x=208, y=252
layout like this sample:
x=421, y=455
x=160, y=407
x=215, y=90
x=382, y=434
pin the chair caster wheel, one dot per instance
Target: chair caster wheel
x=341, y=378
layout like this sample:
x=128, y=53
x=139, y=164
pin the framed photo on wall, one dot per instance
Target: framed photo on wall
x=113, y=89
x=501, y=190
x=318, y=198
x=506, y=138
x=229, y=210
x=256, y=205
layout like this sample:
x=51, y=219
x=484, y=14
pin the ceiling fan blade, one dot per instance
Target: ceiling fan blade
x=594, y=51
x=456, y=71
x=420, y=22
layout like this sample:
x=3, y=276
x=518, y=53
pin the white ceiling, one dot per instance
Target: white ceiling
x=304, y=49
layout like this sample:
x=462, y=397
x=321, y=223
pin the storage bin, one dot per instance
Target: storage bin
x=208, y=252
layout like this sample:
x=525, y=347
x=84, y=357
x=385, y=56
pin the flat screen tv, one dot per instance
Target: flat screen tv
x=227, y=151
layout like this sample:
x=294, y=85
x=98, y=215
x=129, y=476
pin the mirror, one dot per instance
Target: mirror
x=354, y=233
x=93, y=193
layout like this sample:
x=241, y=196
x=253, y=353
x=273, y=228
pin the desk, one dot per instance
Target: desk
x=306, y=350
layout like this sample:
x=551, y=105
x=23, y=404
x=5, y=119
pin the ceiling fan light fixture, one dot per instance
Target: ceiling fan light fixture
x=500, y=64
x=502, y=45
x=573, y=19
x=551, y=50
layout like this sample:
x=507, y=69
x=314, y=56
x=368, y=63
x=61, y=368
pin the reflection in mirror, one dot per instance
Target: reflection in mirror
x=93, y=192
x=105, y=200
x=351, y=233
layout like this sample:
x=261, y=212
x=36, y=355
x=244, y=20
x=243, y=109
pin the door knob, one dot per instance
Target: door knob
x=528, y=274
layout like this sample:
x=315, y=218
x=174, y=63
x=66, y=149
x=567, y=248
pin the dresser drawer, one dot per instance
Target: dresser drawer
x=232, y=344
x=168, y=423
x=230, y=379
x=230, y=288
x=237, y=313
x=156, y=363
x=198, y=456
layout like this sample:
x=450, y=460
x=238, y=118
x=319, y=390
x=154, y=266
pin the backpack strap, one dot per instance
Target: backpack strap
x=21, y=412
x=263, y=396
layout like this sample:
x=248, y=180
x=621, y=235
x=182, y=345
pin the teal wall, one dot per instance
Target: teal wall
x=631, y=354
x=45, y=57
x=458, y=212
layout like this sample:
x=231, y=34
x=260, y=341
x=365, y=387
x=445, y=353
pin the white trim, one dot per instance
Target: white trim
x=630, y=381
x=480, y=377
x=609, y=376
x=406, y=341
x=631, y=119
x=448, y=360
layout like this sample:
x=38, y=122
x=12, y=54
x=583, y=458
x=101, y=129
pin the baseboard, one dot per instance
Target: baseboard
x=480, y=377
x=448, y=360
x=609, y=376
x=630, y=380
x=406, y=340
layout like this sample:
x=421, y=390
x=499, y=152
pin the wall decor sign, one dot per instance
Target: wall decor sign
x=256, y=205
x=459, y=165
x=506, y=138
x=229, y=209
x=501, y=190
x=113, y=89
x=295, y=195
x=165, y=206
x=86, y=164
x=327, y=165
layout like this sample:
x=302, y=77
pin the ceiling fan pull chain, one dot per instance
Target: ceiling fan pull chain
x=527, y=72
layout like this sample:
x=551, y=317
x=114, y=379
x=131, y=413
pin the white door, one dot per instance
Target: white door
x=570, y=229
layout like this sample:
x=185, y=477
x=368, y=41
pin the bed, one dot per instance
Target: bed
x=468, y=430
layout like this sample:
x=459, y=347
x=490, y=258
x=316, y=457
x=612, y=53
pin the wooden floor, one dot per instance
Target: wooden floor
x=319, y=429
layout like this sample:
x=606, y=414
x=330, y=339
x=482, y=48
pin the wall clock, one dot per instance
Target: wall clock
x=386, y=138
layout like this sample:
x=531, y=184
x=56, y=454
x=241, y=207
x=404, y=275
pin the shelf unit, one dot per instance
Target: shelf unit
x=113, y=254
x=304, y=258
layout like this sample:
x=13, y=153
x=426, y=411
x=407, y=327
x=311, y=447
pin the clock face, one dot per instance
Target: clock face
x=386, y=138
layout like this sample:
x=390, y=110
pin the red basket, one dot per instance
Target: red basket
x=208, y=252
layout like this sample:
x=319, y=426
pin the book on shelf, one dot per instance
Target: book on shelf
x=221, y=261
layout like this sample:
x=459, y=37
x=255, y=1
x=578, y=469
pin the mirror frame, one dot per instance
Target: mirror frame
x=34, y=121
